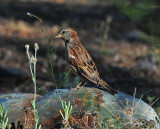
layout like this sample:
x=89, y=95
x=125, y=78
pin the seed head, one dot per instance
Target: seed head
x=27, y=47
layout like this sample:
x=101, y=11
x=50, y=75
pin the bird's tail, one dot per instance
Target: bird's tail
x=107, y=87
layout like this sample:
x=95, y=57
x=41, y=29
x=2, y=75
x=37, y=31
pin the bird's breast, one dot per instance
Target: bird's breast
x=70, y=54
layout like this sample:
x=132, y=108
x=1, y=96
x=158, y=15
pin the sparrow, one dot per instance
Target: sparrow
x=80, y=60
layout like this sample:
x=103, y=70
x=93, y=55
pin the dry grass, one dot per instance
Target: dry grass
x=21, y=29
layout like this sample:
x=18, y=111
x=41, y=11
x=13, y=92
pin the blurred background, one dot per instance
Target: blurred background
x=122, y=36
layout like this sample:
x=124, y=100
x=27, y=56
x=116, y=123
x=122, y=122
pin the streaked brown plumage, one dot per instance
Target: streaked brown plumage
x=80, y=60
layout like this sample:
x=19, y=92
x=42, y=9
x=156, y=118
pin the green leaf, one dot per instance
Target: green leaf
x=61, y=114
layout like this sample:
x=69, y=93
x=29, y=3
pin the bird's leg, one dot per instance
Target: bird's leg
x=80, y=84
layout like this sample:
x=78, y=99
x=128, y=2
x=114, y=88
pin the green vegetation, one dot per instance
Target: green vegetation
x=67, y=111
x=50, y=69
x=134, y=10
x=32, y=15
x=3, y=118
x=32, y=62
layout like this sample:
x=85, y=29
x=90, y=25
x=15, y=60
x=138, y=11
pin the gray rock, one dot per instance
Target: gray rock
x=10, y=75
x=91, y=108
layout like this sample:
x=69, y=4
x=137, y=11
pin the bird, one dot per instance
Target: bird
x=80, y=60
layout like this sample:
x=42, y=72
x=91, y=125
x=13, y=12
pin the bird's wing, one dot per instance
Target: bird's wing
x=83, y=63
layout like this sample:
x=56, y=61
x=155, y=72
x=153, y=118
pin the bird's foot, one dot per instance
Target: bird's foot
x=79, y=85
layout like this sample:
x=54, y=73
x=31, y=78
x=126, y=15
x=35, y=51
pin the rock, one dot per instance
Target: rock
x=17, y=105
x=10, y=75
x=91, y=108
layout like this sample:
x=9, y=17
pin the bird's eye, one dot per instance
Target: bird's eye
x=63, y=31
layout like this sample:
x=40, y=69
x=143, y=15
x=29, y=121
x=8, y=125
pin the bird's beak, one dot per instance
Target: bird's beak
x=58, y=36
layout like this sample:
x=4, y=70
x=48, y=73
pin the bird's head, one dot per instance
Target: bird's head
x=66, y=34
